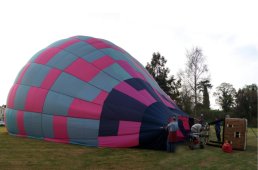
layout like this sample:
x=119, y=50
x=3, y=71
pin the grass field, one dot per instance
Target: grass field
x=26, y=153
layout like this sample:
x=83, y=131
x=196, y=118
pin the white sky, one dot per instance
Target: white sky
x=226, y=30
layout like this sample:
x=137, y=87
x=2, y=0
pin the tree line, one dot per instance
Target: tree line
x=190, y=89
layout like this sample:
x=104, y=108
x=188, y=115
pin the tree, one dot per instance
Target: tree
x=160, y=73
x=185, y=99
x=225, y=96
x=246, y=102
x=194, y=72
x=203, y=86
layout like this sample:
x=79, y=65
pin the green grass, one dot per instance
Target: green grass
x=26, y=153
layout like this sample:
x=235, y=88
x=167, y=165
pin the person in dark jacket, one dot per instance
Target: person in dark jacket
x=217, y=129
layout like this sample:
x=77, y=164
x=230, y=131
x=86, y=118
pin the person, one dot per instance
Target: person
x=196, y=136
x=172, y=127
x=217, y=129
x=196, y=128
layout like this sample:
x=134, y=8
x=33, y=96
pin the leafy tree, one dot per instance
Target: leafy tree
x=246, y=102
x=160, y=73
x=195, y=72
x=203, y=86
x=185, y=100
x=225, y=93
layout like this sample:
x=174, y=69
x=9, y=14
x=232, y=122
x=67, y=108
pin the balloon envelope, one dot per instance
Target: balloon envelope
x=89, y=91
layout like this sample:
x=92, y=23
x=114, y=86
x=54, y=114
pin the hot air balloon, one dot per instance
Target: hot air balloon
x=88, y=91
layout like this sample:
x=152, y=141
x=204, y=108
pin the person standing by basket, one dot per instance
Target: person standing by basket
x=217, y=129
x=172, y=127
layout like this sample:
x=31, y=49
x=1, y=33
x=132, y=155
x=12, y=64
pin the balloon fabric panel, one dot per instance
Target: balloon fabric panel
x=88, y=91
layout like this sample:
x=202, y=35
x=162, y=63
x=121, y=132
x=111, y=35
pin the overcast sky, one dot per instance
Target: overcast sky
x=226, y=30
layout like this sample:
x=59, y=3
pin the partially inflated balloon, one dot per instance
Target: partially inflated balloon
x=89, y=91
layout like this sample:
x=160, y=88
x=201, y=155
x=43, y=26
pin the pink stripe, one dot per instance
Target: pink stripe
x=60, y=128
x=143, y=96
x=164, y=101
x=82, y=109
x=97, y=43
x=50, y=78
x=103, y=62
x=146, y=95
x=126, y=66
x=100, y=98
x=82, y=69
x=100, y=44
x=46, y=55
x=119, y=141
x=11, y=96
x=180, y=135
x=68, y=43
x=21, y=75
x=35, y=99
x=56, y=140
x=185, y=121
x=128, y=128
x=20, y=123
x=93, y=40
